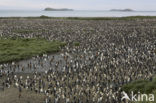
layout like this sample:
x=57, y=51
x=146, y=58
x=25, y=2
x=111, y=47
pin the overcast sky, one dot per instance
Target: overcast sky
x=79, y=4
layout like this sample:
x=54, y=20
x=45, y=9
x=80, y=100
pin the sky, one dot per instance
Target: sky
x=142, y=5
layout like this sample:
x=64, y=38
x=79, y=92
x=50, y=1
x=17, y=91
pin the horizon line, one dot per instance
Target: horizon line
x=27, y=9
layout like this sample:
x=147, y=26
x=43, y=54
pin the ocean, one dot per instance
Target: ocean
x=76, y=13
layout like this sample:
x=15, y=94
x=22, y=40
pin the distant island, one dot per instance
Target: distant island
x=124, y=10
x=53, y=9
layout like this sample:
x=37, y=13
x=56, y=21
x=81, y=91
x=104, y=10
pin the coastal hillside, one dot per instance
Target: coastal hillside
x=54, y=9
x=124, y=10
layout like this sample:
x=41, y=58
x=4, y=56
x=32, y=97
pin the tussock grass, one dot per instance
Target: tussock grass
x=76, y=44
x=142, y=86
x=14, y=49
x=25, y=31
x=112, y=18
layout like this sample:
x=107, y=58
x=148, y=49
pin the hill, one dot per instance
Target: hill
x=125, y=10
x=53, y=9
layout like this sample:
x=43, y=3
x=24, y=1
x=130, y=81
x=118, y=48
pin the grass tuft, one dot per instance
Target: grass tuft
x=76, y=44
x=14, y=49
x=142, y=86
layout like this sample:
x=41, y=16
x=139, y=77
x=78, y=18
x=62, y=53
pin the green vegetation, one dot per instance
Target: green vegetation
x=18, y=48
x=23, y=31
x=44, y=17
x=26, y=31
x=86, y=18
x=112, y=18
x=76, y=44
x=142, y=86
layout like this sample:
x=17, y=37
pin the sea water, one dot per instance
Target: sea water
x=76, y=13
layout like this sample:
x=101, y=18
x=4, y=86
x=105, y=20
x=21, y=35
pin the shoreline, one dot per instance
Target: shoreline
x=83, y=18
